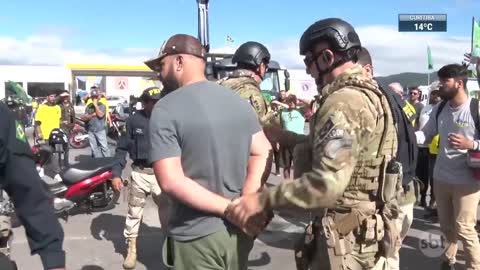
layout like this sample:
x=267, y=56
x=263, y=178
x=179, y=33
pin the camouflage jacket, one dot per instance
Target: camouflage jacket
x=68, y=115
x=243, y=83
x=345, y=132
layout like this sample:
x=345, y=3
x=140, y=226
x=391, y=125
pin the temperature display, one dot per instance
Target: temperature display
x=422, y=22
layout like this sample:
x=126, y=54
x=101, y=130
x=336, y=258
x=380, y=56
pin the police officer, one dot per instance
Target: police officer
x=143, y=182
x=252, y=60
x=353, y=141
x=19, y=178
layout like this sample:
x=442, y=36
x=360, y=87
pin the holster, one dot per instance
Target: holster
x=390, y=175
x=304, y=247
x=331, y=246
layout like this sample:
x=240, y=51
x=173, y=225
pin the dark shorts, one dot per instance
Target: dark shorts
x=287, y=156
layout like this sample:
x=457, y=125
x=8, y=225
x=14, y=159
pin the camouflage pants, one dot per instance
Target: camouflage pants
x=141, y=186
x=402, y=224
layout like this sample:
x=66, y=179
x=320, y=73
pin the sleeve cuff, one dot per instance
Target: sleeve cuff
x=52, y=259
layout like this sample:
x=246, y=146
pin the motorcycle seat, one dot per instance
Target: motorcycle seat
x=85, y=169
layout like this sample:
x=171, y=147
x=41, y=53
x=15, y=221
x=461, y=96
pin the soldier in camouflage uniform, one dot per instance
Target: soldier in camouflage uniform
x=252, y=60
x=352, y=175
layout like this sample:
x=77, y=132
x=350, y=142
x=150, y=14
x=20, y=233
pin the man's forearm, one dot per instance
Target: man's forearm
x=99, y=112
x=255, y=171
x=194, y=195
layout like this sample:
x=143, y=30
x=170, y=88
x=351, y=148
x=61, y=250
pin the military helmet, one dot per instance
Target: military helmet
x=151, y=93
x=339, y=33
x=251, y=53
x=11, y=101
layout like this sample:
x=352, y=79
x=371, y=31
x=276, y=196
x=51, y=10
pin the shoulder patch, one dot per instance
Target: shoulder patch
x=19, y=132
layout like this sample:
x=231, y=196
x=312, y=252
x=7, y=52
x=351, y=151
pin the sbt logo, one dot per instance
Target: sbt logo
x=432, y=243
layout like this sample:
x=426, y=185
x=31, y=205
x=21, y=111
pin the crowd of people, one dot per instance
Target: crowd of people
x=369, y=156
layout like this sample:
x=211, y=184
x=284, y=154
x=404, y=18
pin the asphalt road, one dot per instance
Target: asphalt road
x=95, y=241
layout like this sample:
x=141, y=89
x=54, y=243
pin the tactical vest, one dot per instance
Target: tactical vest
x=246, y=87
x=367, y=173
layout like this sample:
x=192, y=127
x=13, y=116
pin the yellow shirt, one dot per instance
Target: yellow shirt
x=410, y=111
x=433, y=146
x=49, y=118
x=103, y=101
x=34, y=105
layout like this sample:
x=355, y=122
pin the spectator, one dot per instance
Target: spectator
x=95, y=114
x=427, y=153
x=415, y=98
x=291, y=120
x=47, y=117
x=456, y=190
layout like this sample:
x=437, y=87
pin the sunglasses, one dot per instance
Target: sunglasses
x=309, y=60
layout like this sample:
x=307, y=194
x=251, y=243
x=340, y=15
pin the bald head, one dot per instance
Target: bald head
x=397, y=88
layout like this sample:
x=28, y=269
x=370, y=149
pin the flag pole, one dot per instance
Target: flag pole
x=428, y=64
x=471, y=45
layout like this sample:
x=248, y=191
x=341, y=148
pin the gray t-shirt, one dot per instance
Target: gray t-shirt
x=451, y=165
x=211, y=129
x=96, y=124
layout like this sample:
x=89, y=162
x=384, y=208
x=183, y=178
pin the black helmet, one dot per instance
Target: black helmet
x=57, y=136
x=339, y=33
x=151, y=93
x=11, y=101
x=251, y=53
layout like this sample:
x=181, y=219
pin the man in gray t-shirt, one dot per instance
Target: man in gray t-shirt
x=456, y=189
x=207, y=148
x=95, y=119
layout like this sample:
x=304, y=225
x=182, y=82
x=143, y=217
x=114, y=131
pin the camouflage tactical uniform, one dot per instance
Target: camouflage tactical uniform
x=68, y=114
x=352, y=140
x=243, y=83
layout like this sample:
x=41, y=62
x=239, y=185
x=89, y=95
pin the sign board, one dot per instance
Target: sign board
x=305, y=89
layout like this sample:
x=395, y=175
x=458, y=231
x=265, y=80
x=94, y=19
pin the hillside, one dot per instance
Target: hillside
x=407, y=79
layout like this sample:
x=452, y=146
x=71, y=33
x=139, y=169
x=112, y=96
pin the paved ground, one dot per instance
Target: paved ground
x=95, y=241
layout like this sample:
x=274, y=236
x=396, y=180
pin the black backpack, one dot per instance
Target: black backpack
x=407, y=143
x=473, y=111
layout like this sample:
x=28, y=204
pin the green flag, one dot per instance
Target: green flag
x=476, y=38
x=429, y=58
x=13, y=88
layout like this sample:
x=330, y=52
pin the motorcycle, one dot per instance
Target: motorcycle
x=85, y=185
x=78, y=137
x=115, y=129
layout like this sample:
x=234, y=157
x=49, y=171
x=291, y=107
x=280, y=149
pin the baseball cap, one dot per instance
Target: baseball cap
x=178, y=44
x=65, y=93
x=151, y=93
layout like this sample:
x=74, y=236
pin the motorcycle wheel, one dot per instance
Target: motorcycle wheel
x=78, y=144
x=111, y=203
